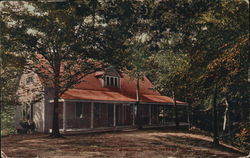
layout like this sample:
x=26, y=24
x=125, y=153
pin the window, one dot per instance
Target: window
x=29, y=80
x=27, y=112
x=116, y=82
x=111, y=81
x=107, y=80
x=79, y=110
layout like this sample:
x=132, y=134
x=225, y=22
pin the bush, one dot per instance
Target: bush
x=28, y=126
x=8, y=121
x=243, y=136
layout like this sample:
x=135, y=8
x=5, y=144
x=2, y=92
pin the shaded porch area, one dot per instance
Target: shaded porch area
x=77, y=116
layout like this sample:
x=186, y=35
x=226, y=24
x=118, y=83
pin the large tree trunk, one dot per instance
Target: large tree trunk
x=55, y=125
x=175, y=110
x=215, y=120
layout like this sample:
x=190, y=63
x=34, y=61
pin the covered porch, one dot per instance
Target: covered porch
x=88, y=115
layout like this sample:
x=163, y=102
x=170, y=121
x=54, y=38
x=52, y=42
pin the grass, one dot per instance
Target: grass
x=142, y=143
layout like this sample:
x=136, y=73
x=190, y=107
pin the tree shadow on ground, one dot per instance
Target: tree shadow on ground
x=195, y=142
x=141, y=142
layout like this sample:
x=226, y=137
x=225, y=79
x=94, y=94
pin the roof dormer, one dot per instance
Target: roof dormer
x=111, y=81
x=111, y=78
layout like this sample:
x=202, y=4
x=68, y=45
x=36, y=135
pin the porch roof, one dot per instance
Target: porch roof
x=80, y=94
x=159, y=99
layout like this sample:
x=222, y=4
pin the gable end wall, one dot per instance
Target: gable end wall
x=31, y=94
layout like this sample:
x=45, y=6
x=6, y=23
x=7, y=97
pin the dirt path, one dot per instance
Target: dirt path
x=150, y=143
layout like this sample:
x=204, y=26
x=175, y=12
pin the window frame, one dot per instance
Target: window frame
x=111, y=81
x=27, y=112
x=29, y=80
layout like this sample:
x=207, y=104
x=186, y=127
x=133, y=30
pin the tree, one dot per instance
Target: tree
x=55, y=47
x=170, y=78
x=207, y=30
x=11, y=66
x=137, y=69
x=214, y=69
x=63, y=42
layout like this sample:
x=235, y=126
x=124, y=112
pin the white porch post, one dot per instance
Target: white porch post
x=133, y=114
x=92, y=115
x=114, y=121
x=149, y=111
x=64, y=116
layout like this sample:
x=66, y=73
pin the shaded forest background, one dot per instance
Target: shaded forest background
x=196, y=51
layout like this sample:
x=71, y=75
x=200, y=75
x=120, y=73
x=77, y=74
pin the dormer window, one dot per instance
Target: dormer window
x=111, y=81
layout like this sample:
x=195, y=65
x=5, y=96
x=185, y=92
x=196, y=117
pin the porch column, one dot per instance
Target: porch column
x=188, y=116
x=149, y=111
x=133, y=114
x=64, y=116
x=92, y=115
x=114, y=121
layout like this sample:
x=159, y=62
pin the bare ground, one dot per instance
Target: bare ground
x=146, y=144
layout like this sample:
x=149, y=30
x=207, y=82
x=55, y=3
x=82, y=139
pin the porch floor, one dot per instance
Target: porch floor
x=120, y=128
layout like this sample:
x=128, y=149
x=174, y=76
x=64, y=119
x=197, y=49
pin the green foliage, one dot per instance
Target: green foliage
x=244, y=133
x=186, y=46
x=241, y=137
x=171, y=70
x=64, y=42
x=138, y=60
x=11, y=67
x=8, y=120
x=221, y=42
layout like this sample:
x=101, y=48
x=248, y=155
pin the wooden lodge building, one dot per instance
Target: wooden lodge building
x=105, y=100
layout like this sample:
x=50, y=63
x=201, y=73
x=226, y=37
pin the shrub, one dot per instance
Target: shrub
x=243, y=136
x=8, y=121
x=27, y=125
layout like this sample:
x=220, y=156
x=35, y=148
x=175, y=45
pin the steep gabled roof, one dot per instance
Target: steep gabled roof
x=92, y=89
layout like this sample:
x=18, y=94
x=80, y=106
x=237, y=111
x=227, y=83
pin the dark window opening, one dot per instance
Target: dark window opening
x=29, y=80
x=116, y=82
x=79, y=110
x=110, y=81
x=27, y=112
x=107, y=79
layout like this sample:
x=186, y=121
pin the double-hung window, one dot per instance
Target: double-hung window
x=111, y=81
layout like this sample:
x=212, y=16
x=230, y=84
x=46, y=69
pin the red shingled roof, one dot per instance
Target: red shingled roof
x=92, y=89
